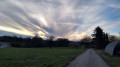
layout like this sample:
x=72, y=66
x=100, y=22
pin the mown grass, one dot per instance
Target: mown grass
x=37, y=57
x=114, y=61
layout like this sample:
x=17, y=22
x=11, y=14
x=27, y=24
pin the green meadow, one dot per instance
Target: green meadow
x=114, y=61
x=37, y=57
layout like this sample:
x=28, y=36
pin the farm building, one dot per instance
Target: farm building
x=113, y=48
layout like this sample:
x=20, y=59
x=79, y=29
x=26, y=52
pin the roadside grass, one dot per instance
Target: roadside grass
x=37, y=57
x=114, y=61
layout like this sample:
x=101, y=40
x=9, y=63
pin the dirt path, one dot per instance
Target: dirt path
x=88, y=59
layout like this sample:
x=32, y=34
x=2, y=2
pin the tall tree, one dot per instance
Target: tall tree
x=106, y=38
x=99, y=38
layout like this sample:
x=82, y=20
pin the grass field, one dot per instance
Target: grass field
x=114, y=61
x=37, y=57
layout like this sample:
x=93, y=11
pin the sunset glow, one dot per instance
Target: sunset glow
x=22, y=32
x=68, y=18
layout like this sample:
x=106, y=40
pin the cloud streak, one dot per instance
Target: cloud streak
x=67, y=18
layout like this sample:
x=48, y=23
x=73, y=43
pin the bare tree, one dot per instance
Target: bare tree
x=113, y=38
x=51, y=38
x=50, y=41
x=86, y=38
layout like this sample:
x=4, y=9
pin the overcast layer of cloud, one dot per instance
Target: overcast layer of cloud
x=62, y=18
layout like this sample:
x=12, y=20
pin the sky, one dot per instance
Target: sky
x=72, y=19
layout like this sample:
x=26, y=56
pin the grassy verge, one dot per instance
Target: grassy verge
x=37, y=57
x=114, y=61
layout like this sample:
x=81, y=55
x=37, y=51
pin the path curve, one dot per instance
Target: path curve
x=3, y=45
x=88, y=59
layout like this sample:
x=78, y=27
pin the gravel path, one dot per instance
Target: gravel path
x=3, y=45
x=88, y=59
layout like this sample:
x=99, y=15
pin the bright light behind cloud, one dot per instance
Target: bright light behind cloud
x=22, y=32
x=77, y=36
x=40, y=19
x=62, y=18
x=41, y=34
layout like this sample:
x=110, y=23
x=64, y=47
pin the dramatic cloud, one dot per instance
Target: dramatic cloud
x=62, y=18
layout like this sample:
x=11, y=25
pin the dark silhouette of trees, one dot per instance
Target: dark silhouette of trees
x=112, y=38
x=86, y=41
x=75, y=44
x=34, y=42
x=22, y=42
x=50, y=41
x=106, y=39
x=62, y=42
x=37, y=41
x=100, y=38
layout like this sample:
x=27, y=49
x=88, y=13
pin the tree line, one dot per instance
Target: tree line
x=34, y=42
x=98, y=40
